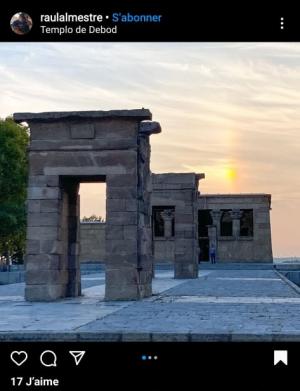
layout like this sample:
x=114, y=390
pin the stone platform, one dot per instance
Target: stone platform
x=221, y=305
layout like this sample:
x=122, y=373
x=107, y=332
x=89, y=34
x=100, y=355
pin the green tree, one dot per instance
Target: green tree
x=13, y=179
x=92, y=218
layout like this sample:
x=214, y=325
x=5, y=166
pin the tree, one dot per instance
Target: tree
x=13, y=183
x=93, y=219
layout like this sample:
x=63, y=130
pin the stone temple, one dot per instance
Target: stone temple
x=150, y=218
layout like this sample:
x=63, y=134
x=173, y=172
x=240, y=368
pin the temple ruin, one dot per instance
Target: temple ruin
x=150, y=218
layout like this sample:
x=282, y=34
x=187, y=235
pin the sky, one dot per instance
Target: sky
x=229, y=110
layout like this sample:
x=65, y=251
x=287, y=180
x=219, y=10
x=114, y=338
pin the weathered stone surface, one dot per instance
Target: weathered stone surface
x=43, y=233
x=114, y=231
x=119, y=260
x=98, y=144
x=122, y=218
x=164, y=248
x=256, y=248
x=184, y=218
x=176, y=178
x=180, y=192
x=128, y=284
x=37, y=180
x=43, y=262
x=117, y=131
x=38, y=277
x=116, y=205
x=126, y=159
x=92, y=242
x=141, y=114
x=43, y=193
x=70, y=147
x=43, y=219
x=33, y=247
x=51, y=246
x=122, y=192
x=109, y=162
x=121, y=247
x=92, y=171
x=47, y=206
x=149, y=127
x=82, y=131
x=129, y=231
x=164, y=251
x=42, y=131
x=172, y=189
x=122, y=180
x=33, y=205
x=43, y=180
x=184, y=246
x=52, y=180
x=45, y=292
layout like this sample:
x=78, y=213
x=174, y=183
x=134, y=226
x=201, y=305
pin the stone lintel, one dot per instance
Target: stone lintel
x=188, y=180
x=139, y=114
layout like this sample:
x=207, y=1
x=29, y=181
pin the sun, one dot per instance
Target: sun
x=230, y=173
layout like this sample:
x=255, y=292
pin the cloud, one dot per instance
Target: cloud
x=219, y=104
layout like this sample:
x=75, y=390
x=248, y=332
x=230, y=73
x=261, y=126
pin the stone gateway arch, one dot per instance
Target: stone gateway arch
x=66, y=149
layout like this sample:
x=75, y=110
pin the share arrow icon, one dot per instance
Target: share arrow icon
x=78, y=355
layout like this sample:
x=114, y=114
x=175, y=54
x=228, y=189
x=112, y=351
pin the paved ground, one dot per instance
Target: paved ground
x=219, y=305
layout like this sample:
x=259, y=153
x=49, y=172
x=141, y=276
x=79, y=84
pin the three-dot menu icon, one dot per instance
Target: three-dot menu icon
x=282, y=23
x=146, y=357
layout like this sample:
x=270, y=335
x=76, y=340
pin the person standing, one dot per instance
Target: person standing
x=212, y=253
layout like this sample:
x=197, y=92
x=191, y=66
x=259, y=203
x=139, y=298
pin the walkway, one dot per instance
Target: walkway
x=227, y=305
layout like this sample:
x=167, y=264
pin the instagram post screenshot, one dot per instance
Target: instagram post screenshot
x=149, y=193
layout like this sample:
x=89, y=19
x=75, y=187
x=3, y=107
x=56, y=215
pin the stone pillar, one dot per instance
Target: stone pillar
x=46, y=268
x=236, y=216
x=185, y=247
x=145, y=253
x=168, y=216
x=129, y=263
x=52, y=265
x=180, y=190
x=74, y=278
x=216, y=216
x=121, y=233
x=186, y=229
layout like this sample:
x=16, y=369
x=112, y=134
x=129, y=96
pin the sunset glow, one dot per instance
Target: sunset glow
x=229, y=110
x=230, y=174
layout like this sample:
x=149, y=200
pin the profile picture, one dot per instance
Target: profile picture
x=21, y=23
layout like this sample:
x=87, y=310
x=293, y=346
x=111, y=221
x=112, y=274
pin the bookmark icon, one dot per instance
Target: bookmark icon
x=280, y=356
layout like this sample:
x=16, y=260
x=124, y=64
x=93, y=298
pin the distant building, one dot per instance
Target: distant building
x=186, y=224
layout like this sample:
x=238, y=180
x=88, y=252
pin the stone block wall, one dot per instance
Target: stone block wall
x=67, y=148
x=229, y=249
x=236, y=248
x=92, y=242
x=164, y=250
x=92, y=245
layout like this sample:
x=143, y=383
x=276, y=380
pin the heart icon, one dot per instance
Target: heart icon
x=19, y=357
